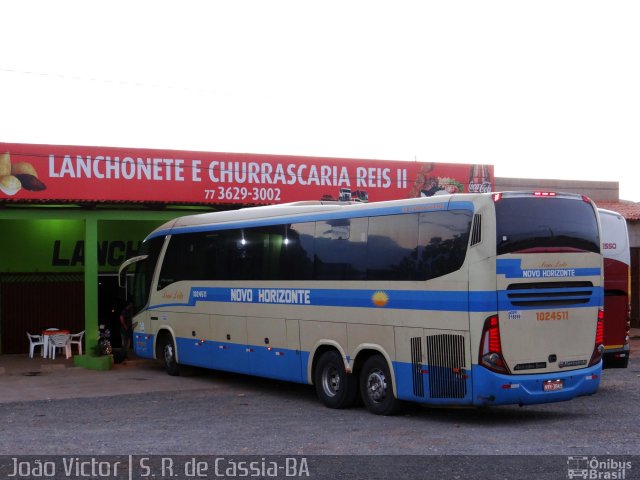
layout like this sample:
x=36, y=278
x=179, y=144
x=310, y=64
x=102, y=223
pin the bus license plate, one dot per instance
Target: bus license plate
x=552, y=385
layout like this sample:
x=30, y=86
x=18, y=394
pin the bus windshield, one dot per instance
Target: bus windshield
x=144, y=272
x=530, y=223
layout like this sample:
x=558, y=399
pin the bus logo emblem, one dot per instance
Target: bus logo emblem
x=380, y=299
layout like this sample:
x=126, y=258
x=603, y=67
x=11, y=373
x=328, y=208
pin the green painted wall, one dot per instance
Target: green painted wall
x=58, y=245
x=51, y=240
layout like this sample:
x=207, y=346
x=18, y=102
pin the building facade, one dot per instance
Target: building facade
x=70, y=215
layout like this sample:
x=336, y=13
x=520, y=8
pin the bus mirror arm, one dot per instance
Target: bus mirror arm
x=123, y=268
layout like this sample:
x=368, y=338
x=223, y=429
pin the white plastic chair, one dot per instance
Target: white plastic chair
x=45, y=353
x=76, y=339
x=34, y=341
x=59, y=340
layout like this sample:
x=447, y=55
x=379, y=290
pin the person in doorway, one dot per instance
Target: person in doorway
x=126, y=327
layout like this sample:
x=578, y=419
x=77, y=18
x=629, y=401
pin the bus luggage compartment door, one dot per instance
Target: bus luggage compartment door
x=269, y=351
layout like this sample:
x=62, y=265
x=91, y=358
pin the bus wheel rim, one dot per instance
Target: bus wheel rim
x=331, y=381
x=377, y=386
x=168, y=353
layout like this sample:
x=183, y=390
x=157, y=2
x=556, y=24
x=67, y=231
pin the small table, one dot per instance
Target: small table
x=45, y=337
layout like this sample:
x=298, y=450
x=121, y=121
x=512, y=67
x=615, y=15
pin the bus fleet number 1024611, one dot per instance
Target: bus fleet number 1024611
x=553, y=315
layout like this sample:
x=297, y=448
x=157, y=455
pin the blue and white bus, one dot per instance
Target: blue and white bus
x=468, y=299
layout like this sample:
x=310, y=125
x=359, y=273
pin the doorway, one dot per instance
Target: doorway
x=111, y=300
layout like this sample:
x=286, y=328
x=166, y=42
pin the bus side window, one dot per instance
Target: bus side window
x=185, y=259
x=341, y=249
x=444, y=238
x=170, y=264
x=296, y=256
x=392, y=250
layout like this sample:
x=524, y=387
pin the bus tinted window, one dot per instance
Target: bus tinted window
x=392, y=251
x=279, y=252
x=341, y=249
x=443, y=241
x=217, y=258
x=246, y=251
x=525, y=223
x=298, y=251
x=185, y=259
x=393, y=247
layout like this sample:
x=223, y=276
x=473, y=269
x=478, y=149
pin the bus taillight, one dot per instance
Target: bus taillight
x=598, y=347
x=490, y=346
x=600, y=329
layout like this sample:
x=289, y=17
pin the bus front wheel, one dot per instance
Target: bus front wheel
x=376, y=388
x=334, y=386
x=167, y=355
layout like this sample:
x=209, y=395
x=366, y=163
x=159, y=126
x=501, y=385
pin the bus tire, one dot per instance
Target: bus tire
x=376, y=387
x=168, y=355
x=334, y=386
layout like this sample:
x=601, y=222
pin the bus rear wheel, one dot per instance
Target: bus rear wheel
x=167, y=355
x=334, y=386
x=376, y=388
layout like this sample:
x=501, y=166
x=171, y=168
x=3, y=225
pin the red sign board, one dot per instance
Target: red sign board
x=79, y=173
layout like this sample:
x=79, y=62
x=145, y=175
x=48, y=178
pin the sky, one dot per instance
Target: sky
x=539, y=89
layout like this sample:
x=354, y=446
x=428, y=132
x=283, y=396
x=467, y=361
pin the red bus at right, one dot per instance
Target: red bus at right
x=617, y=288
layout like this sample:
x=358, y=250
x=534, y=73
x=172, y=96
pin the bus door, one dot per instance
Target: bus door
x=145, y=265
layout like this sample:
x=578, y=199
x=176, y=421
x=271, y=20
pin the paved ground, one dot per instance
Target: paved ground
x=26, y=379
x=50, y=407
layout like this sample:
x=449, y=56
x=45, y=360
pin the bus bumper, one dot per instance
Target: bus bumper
x=617, y=352
x=616, y=357
x=490, y=388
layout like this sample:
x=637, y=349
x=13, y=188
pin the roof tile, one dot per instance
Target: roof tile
x=629, y=210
